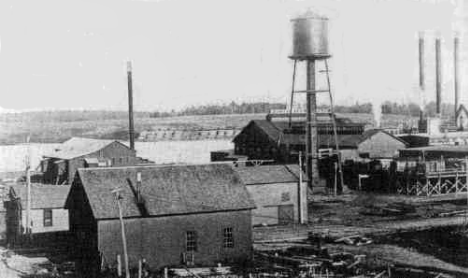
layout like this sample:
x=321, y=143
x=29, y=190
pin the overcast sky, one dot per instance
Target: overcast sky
x=64, y=54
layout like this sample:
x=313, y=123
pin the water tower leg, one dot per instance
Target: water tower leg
x=311, y=127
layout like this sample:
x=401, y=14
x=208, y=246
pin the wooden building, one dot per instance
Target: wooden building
x=462, y=118
x=276, y=140
x=60, y=166
x=47, y=215
x=279, y=193
x=267, y=139
x=379, y=144
x=173, y=215
x=433, y=159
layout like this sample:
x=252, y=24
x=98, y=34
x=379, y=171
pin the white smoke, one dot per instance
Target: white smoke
x=377, y=112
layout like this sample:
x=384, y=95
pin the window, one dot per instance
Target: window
x=121, y=160
x=228, y=238
x=113, y=161
x=285, y=197
x=191, y=241
x=47, y=217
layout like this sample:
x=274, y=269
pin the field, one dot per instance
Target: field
x=58, y=126
x=13, y=157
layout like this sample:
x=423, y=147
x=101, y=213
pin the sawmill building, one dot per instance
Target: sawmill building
x=60, y=166
x=174, y=215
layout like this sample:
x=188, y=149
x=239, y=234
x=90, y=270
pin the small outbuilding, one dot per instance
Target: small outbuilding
x=462, y=118
x=47, y=215
x=279, y=192
x=173, y=215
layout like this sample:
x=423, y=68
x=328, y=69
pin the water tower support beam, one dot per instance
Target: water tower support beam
x=311, y=127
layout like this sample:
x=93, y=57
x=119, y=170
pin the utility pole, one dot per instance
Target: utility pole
x=124, y=239
x=28, y=190
x=299, y=191
x=456, y=72
x=130, y=106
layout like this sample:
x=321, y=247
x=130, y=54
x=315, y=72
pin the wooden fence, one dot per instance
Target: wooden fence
x=435, y=183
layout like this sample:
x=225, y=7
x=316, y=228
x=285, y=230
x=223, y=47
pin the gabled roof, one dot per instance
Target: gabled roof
x=42, y=195
x=78, y=146
x=460, y=109
x=267, y=174
x=275, y=132
x=371, y=132
x=166, y=190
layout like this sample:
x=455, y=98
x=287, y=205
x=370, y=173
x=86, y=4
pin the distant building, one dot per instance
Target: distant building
x=47, y=210
x=275, y=190
x=433, y=158
x=462, y=118
x=174, y=215
x=379, y=144
x=268, y=139
x=60, y=166
x=271, y=140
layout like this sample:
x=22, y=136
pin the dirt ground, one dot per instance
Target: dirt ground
x=396, y=224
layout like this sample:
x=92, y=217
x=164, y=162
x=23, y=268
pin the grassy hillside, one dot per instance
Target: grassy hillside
x=58, y=126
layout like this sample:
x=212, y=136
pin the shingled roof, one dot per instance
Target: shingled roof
x=166, y=190
x=42, y=195
x=78, y=146
x=275, y=132
x=266, y=174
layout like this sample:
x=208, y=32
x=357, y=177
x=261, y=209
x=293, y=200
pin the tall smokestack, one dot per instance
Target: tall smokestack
x=421, y=62
x=131, y=129
x=456, y=70
x=438, y=76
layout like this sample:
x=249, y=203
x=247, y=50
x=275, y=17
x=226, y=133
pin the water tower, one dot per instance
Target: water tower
x=310, y=45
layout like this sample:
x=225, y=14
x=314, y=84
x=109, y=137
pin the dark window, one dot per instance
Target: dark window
x=285, y=197
x=113, y=161
x=228, y=238
x=191, y=241
x=121, y=160
x=47, y=217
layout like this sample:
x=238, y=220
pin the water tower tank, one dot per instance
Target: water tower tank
x=310, y=37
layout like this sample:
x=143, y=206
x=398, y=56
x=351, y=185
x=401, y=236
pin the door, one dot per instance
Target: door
x=285, y=214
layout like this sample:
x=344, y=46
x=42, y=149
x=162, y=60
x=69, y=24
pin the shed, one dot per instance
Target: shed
x=462, y=118
x=279, y=193
x=173, y=215
x=48, y=213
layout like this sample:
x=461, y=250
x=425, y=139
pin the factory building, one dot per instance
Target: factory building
x=60, y=166
x=197, y=215
x=282, y=142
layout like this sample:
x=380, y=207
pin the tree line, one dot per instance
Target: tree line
x=387, y=107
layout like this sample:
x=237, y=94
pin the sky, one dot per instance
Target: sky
x=70, y=54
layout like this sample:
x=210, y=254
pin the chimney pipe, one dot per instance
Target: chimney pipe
x=130, y=106
x=456, y=43
x=438, y=76
x=138, y=187
x=421, y=62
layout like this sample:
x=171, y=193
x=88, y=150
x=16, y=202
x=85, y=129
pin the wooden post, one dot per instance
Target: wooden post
x=139, y=268
x=335, y=185
x=119, y=266
x=124, y=240
x=299, y=191
x=166, y=273
x=28, y=191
